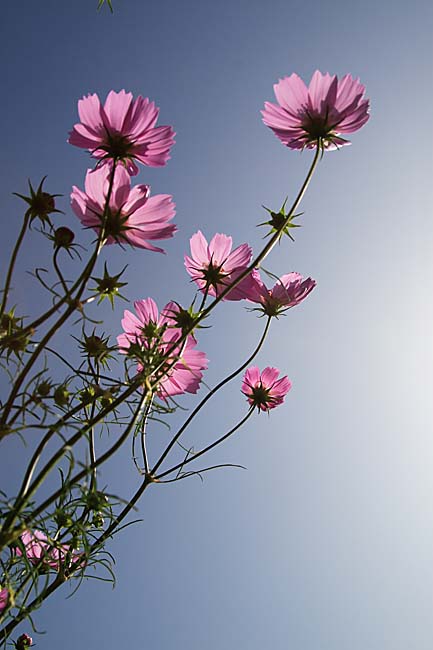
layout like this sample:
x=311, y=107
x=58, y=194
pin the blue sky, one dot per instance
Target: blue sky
x=326, y=541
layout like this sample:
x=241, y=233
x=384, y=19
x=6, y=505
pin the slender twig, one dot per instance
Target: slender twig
x=212, y=392
x=73, y=302
x=143, y=436
x=256, y=262
x=206, y=449
x=13, y=260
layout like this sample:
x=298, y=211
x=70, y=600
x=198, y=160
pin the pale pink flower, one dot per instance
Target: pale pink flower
x=40, y=551
x=214, y=266
x=124, y=129
x=326, y=109
x=149, y=335
x=289, y=290
x=133, y=216
x=4, y=599
x=264, y=390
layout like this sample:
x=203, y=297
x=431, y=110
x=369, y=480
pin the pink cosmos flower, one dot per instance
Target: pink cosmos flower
x=289, y=291
x=326, y=109
x=124, y=129
x=38, y=550
x=265, y=390
x=133, y=217
x=214, y=266
x=4, y=599
x=148, y=335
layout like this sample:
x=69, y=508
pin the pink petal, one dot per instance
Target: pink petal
x=199, y=247
x=147, y=310
x=269, y=376
x=291, y=93
x=219, y=248
x=95, y=183
x=90, y=113
x=115, y=110
x=240, y=257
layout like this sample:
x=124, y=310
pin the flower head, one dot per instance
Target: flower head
x=4, y=599
x=264, y=390
x=41, y=204
x=289, y=291
x=214, y=266
x=148, y=336
x=24, y=641
x=123, y=129
x=39, y=551
x=320, y=113
x=108, y=286
x=132, y=216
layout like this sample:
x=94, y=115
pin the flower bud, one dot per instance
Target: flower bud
x=185, y=319
x=89, y=394
x=63, y=237
x=108, y=286
x=95, y=346
x=62, y=519
x=41, y=203
x=281, y=221
x=96, y=501
x=98, y=520
x=43, y=388
x=24, y=641
x=16, y=337
x=61, y=395
x=107, y=398
x=9, y=323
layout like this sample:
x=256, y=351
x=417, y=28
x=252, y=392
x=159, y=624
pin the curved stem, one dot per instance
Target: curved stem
x=143, y=436
x=12, y=262
x=59, y=273
x=5, y=632
x=256, y=262
x=210, y=394
x=71, y=308
x=80, y=475
x=273, y=240
x=208, y=448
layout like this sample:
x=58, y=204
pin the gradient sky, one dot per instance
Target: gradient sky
x=326, y=542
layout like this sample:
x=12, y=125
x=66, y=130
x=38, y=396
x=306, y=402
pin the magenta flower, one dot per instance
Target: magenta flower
x=40, y=551
x=24, y=641
x=326, y=109
x=149, y=335
x=214, y=266
x=4, y=599
x=289, y=291
x=124, y=129
x=264, y=390
x=133, y=217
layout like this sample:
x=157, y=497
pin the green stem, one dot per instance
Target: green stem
x=6, y=631
x=80, y=475
x=143, y=436
x=206, y=449
x=209, y=395
x=273, y=240
x=12, y=262
x=259, y=258
x=59, y=273
x=256, y=262
x=71, y=308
